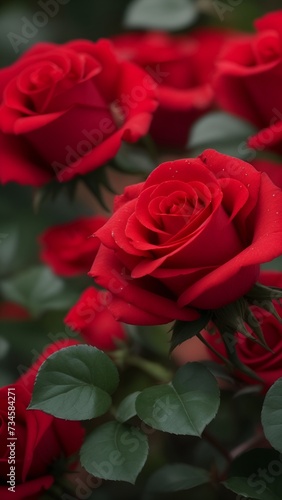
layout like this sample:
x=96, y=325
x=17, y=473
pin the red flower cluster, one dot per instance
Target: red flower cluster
x=191, y=237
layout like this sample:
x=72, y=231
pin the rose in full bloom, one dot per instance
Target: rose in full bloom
x=267, y=365
x=248, y=80
x=69, y=248
x=64, y=110
x=91, y=317
x=192, y=236
x=41, y=439
x=182, y=68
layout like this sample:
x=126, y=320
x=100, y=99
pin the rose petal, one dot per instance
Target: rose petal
x=132, y=292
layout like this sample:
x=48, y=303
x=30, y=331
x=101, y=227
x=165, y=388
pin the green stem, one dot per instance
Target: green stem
x=155, y=370
x=55, y=492
x=225, y=360
x=254, y=441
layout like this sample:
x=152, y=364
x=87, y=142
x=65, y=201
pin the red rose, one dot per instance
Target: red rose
x=69, y=248
x=64, y=110
x=91, y=317
x=41, y=439
x=267, y=365
x=274, y=170
x=11, y=311
x=249, y=76
x=182, y=67
x=191, y=236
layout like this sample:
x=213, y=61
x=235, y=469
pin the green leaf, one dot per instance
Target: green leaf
x=175, y=477
x=75, y=383
x=115, y=451
x=241, y=486
x=9, y=242
x=271, y=416
x=126, y=409
x=184, y=330
x=38, y=290
x=161, y=14
x=262, y=296
x=184, y=406
x=262, y=292
x=233, y=318
x=273, y=265
x=133, y=160
x=96, y=181
x=257, y=474
x=223, y=132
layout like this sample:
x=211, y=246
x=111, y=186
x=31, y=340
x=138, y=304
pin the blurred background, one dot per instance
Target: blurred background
x=93, y=19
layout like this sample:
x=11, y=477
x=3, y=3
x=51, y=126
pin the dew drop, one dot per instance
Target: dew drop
x=274, y=195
